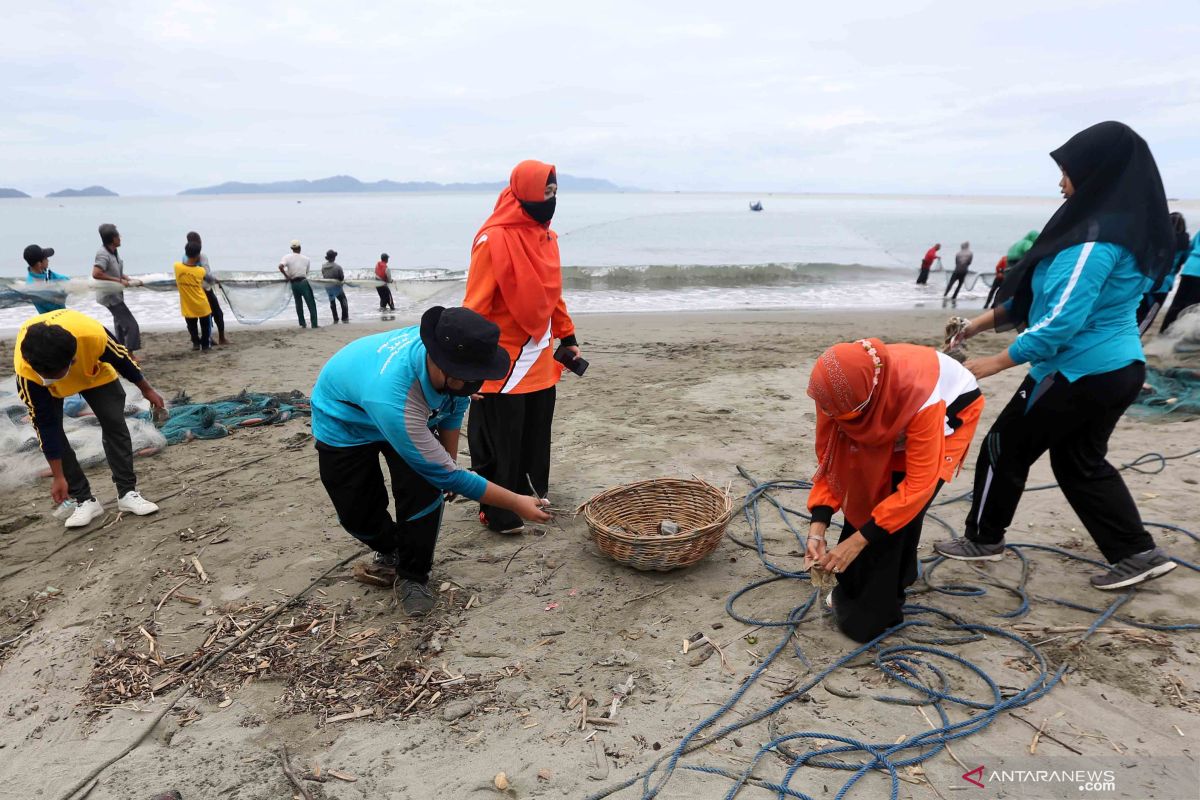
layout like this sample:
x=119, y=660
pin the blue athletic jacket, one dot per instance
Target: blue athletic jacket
x=1191, y=267
x=46, y=304
x=1083, y=320
x=377, y=389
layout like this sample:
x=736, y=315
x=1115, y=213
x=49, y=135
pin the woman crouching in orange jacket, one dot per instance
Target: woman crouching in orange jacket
x=515, y=280
x=893, y=425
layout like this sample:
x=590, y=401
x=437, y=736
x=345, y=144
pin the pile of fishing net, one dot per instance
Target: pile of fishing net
x=221, y=417
x=1172, y=383
x=1174, y=391
x=22, y=463
x=21, y=459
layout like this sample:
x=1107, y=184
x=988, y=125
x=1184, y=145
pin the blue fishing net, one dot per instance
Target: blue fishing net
x=221, y=417
x=1174, y=391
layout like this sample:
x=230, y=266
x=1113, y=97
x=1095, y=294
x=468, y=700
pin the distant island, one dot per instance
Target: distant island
x=12, y=193
x=91, y=191
x=346, y=183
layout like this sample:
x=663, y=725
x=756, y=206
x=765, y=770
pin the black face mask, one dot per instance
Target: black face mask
x=541, y=210
x=468, y=389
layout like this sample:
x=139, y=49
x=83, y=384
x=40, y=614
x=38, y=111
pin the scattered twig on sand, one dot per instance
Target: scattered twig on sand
x=200, y=570
x=957, y=760
x=1041, y=734
x=199, y=671
x=508, y=563
x=655, y=593
x=170, y=592
x=291, y=776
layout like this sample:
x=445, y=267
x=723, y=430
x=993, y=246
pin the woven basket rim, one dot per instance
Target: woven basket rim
x=683, y=536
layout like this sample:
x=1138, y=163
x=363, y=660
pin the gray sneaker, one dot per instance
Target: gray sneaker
x=416, y=598
x=1134, y=569
x=966, y=550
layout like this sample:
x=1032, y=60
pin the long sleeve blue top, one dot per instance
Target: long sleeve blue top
x=50, y=300
x=1083, y=320
x=377, y=389
x=1191, y=267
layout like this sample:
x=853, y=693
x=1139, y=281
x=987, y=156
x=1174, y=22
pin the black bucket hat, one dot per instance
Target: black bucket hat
x=463, y=344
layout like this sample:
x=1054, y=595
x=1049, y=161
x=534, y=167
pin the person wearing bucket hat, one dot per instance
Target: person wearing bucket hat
x=402, y=395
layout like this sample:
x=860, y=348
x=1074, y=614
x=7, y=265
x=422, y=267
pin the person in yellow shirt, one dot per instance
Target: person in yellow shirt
x=62, y=353
x=193, y=302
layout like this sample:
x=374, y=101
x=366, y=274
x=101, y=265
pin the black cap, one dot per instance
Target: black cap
x=35, y=253
x=330, y=255
x=463, y=344
x=383, y=256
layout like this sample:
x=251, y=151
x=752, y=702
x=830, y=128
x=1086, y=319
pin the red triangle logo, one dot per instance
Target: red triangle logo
x=978, y=773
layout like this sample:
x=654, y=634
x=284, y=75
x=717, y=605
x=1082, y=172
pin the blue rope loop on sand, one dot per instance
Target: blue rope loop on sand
x=916, y=664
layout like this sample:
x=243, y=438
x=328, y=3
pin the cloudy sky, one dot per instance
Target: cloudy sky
x=152, y=96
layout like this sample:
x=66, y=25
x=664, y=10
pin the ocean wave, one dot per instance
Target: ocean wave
x=677, y=276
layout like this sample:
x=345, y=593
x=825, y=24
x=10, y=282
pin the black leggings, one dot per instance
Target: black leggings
x=509, y=437
x=385, y=298
x=218, y=315
x=1072, y=420
x=200, y=329
x=957, y=277
x=869, y=597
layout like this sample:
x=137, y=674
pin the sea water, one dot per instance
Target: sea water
x=630, y=251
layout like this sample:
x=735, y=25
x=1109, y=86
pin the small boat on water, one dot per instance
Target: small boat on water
x=756, y=205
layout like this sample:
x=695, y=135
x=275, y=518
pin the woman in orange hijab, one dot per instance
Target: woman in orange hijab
x=893, y=425
x=515, y=280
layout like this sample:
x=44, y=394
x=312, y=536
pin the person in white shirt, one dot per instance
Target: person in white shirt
x=294, y=268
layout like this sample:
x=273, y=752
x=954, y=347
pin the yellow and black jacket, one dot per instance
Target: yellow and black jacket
x=99, y=359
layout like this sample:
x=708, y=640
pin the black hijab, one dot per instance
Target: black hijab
x=1119, y=198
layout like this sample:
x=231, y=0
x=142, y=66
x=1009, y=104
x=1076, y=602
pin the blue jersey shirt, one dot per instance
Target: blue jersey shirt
x=1191, y=267
x=47, y=304
x=1083, y=320
x=377, y=389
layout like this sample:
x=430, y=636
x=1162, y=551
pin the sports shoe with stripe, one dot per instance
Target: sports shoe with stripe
x=1135, y=569
x=966, y=550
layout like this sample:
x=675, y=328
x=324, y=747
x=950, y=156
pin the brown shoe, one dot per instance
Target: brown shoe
x=379, y=571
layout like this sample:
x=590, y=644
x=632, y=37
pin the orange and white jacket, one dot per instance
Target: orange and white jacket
x=932, y=449
x=533, y=365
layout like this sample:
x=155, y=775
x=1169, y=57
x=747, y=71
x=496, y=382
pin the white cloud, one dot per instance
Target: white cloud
x=872, y=96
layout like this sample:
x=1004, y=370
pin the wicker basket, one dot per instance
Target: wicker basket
x=625, y=520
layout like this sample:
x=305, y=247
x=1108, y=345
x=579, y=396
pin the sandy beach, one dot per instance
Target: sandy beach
x=531, y=622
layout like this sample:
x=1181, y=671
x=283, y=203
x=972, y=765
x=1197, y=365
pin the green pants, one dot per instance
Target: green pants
x=302, y=290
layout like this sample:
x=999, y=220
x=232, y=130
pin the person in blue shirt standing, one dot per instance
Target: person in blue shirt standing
x=1156, y=298
x=402, y=394
x=1076, y=293
x=1188, y=293
x=47, y=297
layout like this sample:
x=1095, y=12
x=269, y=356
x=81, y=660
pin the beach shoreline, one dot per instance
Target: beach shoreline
x=667, y=394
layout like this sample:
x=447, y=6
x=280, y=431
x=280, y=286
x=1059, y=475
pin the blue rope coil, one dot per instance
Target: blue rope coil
x=915, y=664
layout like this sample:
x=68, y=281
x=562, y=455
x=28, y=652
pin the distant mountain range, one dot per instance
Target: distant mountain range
x=346, y=183
x=90, y=191
x=12, y=193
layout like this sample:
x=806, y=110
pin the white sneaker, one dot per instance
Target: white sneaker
x=134, y=503
x=84, y=513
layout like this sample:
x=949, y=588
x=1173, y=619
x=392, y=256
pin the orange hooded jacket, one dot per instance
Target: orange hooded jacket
x=515, y=280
